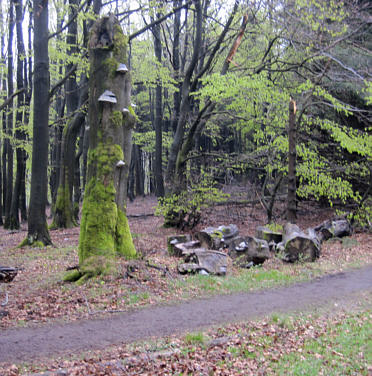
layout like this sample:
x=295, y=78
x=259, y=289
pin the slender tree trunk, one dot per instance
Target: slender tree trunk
x=3, y=118
x=291, y=198
x=104, y=229
x=20, y=135
x=38, y=233
x=158, y=168
x=9, y=122
x=64, y=208
x=176, y=65
x=174, y=183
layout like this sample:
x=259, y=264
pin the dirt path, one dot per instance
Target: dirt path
x=29, y=343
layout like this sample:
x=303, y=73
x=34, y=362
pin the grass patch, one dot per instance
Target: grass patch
x=345, y=349
x=198, y=338
x=244, y=280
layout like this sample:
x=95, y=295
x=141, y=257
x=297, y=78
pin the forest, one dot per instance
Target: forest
x=128, y=125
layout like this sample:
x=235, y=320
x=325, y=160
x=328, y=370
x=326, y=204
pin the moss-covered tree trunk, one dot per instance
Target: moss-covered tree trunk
x=104, y=230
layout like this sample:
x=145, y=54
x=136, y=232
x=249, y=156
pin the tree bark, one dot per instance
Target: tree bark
x=38, y=233
x=291, y=199
x=9, y=122
x=104, y=229
x=20, y=135
x=64, y=208
x=158, y=168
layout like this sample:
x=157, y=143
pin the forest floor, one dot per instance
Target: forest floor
x=44, y=316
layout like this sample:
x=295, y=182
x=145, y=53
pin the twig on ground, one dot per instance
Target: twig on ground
x=165, y=269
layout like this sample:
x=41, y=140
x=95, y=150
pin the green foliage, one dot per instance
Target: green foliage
x=184, y=210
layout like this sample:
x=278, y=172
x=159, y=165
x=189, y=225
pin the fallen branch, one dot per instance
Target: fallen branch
x=140, y=215
x=165, y=269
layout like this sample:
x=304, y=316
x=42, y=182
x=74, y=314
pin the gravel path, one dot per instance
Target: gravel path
x=28, y=343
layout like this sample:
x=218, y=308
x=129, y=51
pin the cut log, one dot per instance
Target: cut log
x=249, y=250
x=263, y=232
x=213, y=262
x=186, y=249
x=297, y=245
x=337, y=228
x=217, y=238
x=175, y=239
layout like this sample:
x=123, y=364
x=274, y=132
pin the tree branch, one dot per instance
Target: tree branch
x=158, y=21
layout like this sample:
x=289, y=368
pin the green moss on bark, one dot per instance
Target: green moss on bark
x=104, y=229
x=124, y=244
x=120, y=44
x=116, y=118
x=64, y=216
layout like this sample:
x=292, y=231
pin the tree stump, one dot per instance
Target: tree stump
x=298, y=246
x=249, y=251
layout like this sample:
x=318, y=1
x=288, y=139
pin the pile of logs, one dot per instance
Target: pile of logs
x=213, y=246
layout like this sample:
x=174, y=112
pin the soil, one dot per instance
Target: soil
x=30, y=343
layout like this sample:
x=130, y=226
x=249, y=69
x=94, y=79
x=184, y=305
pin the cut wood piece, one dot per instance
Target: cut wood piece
x=265, y=233
x=297, y=245
x=175, y=239
x=217, y=237
x=249, y=250
x=336, y=228
x=213, y=262
x=188, y=268
x=184, y=249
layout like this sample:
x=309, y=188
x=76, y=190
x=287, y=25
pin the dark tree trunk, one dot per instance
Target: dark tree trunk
x=158, y=166
x=175, y=183
x=20, y=121
x=291, y=198
x=104, y=229
x=64, y=208
x=176, y=65
x=38, y=233
x=64, y=213
x=3, y=119
x=9, y=122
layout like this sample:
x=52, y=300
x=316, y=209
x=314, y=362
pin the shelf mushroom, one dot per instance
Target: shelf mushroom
x=107, y=96
x=122, y=68
x=120, y=164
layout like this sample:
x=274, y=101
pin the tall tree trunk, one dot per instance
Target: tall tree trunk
x=64, y=213
x=176, y=65
x=64, y=209
x=291, y=198
x=175, y=183
x=9, y=122
x=20, y=135
x=3, y=118
x=104, y=229
x=38, y=233
x=158, y=168
x=181, y=147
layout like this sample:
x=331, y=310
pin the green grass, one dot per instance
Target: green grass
x=345, y=349
x=198, y=338
x=245, y=280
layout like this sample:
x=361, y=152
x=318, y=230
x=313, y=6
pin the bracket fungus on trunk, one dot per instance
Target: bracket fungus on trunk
x=104, y=229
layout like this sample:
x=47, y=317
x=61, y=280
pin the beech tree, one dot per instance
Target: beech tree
x=38, y=233
x=104, y=229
